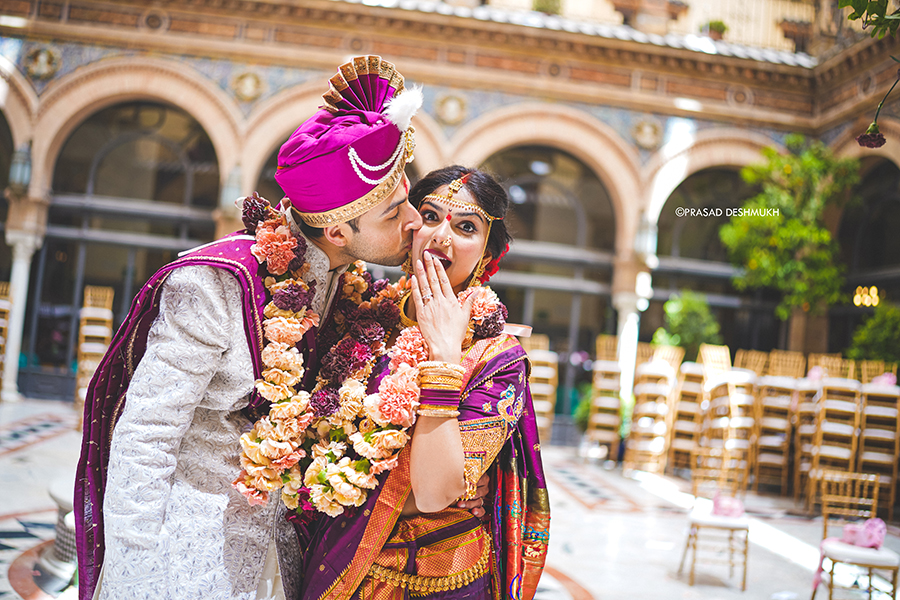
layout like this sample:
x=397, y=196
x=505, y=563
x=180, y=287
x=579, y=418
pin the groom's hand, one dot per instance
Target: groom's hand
x=476, y=504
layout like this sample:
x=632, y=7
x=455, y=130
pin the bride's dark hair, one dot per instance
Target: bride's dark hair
x=489, y=194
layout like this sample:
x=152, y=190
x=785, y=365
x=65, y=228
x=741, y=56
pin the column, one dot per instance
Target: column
x=24, y=244
x=626, y=304
x=227, y=216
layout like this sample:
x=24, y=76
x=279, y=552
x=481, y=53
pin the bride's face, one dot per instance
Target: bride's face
x=453, y=235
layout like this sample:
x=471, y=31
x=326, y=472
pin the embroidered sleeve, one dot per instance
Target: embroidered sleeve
x=489, y=412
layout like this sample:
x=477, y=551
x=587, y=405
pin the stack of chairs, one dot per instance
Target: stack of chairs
x=95, y=329
x=605, y=419
x=837, y=427
x=645, y=449
x=804, y=421
x=544, y=380
x=730, y=422
x=774, y=398
x=879, y=439
x=4, y=321
x=833, y=365
x=687, y=413
x=715, y=358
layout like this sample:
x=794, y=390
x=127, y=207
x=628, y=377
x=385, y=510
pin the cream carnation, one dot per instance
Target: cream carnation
x=352, y=394
x=295, y=407
x=281, y=356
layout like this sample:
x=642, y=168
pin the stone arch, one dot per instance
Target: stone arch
x=75, y=97
x=274, y=120
x=18, y=102
x=679, y=159
x=596, y=144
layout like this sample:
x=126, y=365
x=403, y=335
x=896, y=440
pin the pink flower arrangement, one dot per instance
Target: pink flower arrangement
x=254, y=496
x=397, y=398
x=410, y=348
x=275, y=246
x=289, y=330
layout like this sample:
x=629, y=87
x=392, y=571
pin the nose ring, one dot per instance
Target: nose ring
x=446, y=243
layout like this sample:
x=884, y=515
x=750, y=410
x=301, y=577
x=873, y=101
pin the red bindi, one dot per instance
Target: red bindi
x=448, y=216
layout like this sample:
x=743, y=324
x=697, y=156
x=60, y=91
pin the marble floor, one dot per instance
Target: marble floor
x=612, y=537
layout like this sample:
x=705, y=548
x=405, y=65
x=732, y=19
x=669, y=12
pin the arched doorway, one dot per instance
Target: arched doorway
x=692, y=257
x=133, y=185
x=869, y=246
x=558, y=276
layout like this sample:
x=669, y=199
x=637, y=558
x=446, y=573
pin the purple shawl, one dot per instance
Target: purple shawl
x=106, y=392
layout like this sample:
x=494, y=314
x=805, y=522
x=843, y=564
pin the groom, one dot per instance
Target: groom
x=157, y=516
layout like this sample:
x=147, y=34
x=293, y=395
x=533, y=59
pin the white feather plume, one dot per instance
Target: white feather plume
x=400, y=109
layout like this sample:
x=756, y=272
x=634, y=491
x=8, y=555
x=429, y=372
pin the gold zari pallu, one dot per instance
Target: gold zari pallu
x=421, y=585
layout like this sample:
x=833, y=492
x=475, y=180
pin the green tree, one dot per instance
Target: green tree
x=876, y=339
x=689, y=323
x=779, y=240
x=874, y=14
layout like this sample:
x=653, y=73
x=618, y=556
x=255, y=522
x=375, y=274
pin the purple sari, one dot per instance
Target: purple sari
x=499, y=437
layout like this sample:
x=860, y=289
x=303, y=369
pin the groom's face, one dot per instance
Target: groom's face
x=385, y=232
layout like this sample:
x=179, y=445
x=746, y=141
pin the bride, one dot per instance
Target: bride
x=474, y=417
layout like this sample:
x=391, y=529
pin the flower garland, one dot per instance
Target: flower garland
x=301, y=446
x=325, y=449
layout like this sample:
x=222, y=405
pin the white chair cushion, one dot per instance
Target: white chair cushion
x=870, y=557
x=779, y=382
x=539, y=372
x=878, y=389
x=686, y=426
x=612, y=385
x=782, y=402
x=542, y=406
x=543, y=389
x=92, y=348
x=774, y=423
x=655, y=368
x=683, y=444
x=880, y=411
x=807, y=429
x=691, y=387
x=771, y=441
x=603, y=435
x=688, y=407
x=651, y=389
x=767, y=458
x=606, y=402
x=96, y=331
x=838, y=428
x=836, y=383
x=834, y=452
x=877, y=457
x=605, y=366
x=604, y=419
x=879, y=434
x=704, y=518
x=95, y=312
x=692, y=368
x=839, y=405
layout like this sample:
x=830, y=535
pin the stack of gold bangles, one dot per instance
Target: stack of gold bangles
x=440, y=384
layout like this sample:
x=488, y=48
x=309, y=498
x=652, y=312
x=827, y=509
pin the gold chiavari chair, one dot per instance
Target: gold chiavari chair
x=715, y=358
x=870, y=369
x=716, y=472
x=833, y=365
x=752, y=360
x=774, y=397
x=687, y=415
x=879, y=439
x=837, y=427
x=786, y=363
x=607, y=347
x=850, y=497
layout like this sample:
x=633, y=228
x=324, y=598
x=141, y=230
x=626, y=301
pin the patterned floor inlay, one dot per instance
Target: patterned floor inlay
x=36, y=428
x=18, y=535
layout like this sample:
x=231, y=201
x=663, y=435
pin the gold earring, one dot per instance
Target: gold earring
x=479, y=271
x=407, y=266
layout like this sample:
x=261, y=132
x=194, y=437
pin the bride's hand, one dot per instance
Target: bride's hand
x=442, y=320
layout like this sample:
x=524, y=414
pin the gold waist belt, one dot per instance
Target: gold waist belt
x=420, y=585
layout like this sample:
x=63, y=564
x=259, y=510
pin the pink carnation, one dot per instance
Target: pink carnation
x=379, y=466
x=287, y=330
x=254, y=497
x=399, y=393
x=288, y=461
x=275, y=246
x=410, y=348
x=486, y=302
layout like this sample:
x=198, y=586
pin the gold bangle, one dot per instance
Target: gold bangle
x=444, y=407
x=441, y=379
x=430, y=365
x=441, y=414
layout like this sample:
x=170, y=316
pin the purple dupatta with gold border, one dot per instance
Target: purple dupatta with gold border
x=342, y=550
x=106, y=392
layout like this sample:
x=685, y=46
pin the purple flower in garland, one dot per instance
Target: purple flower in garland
x=491, y=325
x=343, y=359
x=388, y=314
x=293, y=297
x=254, y=210
x=367, y=331
x=378, y=285
x=299, y=254
x=325, y=402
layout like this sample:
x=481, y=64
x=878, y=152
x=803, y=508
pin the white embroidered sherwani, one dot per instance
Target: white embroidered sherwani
x=175, y=527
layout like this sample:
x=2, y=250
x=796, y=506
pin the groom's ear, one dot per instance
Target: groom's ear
x=339, y=234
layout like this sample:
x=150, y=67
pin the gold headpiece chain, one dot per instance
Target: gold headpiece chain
x=454, y=188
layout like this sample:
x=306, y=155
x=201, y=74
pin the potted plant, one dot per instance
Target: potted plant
x=714, y=29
